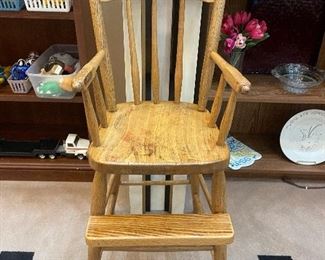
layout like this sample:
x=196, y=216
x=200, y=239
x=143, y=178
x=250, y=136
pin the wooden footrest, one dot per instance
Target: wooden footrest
x=163, y=230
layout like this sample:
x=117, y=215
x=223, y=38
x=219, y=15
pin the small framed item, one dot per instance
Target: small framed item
x=302, y=138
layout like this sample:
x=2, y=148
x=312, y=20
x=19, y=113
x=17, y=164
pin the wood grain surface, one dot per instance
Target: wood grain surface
x=159, y=230
x=164, y=138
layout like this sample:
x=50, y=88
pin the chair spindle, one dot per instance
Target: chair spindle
x=133, y=54
x=154, y=54
x=92, y=122
x=101, y=44
x=227, y=119
x=216, y=106
x=212, y=44
x=99, y=102
x=179, y=55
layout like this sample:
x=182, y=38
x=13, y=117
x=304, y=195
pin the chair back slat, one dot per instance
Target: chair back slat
x=133, y=54
x=91, y=117
x=179, y=55
x=154, y=54
x=216, y=106
x=101, y=44
x=211, y=45
x=99, y=102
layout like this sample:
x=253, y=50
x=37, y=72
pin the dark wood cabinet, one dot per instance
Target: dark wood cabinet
x=25, y=116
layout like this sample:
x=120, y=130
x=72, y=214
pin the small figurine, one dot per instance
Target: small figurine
x=59, y=64
x=18, y=70
x=32, y=57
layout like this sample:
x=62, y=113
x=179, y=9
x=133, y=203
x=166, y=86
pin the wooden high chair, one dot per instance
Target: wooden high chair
x=160, y=137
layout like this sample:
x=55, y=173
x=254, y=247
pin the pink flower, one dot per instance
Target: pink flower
x=241, y=17
x=227, y=25
x=263, y=26
x=240, y=42
x=256, y=29
x=229, y=45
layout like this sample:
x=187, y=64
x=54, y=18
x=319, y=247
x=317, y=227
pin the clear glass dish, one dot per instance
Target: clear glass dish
x=297, y=78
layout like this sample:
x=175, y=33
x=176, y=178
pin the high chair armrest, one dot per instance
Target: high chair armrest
x=231, y=75
x=88, y=72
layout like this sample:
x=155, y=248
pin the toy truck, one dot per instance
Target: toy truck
x=41, y=148
x=73, y=145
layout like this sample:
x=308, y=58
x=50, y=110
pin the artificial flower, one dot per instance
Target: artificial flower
x=255, y=30
x=240, y=42
x=241, y=18
x=229, y=45
x=227, y=25
x=241, y=32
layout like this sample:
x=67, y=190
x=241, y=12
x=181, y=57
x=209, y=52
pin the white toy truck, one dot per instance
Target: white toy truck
x=74, y=146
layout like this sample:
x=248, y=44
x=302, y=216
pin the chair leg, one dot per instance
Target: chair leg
x=98, y=194
x=218, y=192
x=113, y=190
x=219, y=253
x=94, y=253
x=195, y=188
x=98, y=204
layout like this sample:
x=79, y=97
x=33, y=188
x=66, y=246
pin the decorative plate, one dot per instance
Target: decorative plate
x=302, y=138
x=240, y=154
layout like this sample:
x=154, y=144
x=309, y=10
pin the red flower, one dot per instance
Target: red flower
x=229, y=45
x=227, y=25
x=241, y=17
x=256, y=29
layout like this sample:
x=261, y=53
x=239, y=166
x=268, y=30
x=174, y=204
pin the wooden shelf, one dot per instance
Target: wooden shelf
x=7, y=95
x=35, y=169
x=267, y=89
x=24, y=14
x=273, y=163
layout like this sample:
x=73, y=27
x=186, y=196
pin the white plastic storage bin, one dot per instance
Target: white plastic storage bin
x=48, y=5
x=11, y=5
x=20, y=86
x=47, y=86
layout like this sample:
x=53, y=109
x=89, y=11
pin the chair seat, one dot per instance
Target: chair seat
x=158, y=138
x=159, y=230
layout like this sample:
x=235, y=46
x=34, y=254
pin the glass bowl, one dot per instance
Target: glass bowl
x=297, y=78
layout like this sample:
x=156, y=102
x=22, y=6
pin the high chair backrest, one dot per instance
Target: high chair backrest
x=103, y=85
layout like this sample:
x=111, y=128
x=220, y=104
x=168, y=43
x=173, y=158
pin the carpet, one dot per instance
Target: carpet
x=269, y=257
x=5, y=255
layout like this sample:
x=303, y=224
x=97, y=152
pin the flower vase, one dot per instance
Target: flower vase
x=236, y=59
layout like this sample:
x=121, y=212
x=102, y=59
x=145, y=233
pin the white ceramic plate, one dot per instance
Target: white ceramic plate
x=302, y=138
